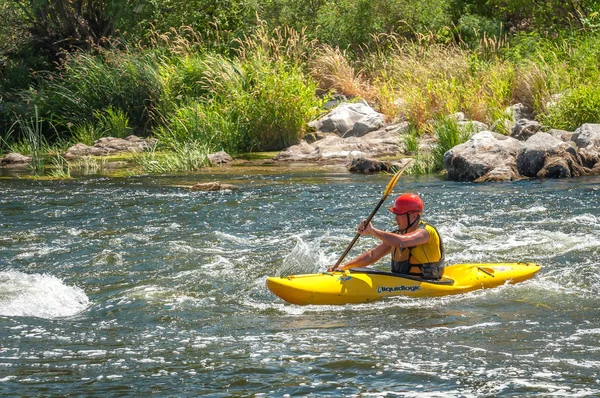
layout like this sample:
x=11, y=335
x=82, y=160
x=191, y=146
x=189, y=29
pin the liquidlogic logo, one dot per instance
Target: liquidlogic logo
x=392, y=289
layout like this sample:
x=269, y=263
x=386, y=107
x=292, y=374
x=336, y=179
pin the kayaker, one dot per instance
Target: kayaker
x=416, y=246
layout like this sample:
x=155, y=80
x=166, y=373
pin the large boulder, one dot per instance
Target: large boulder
x=587, y=135
x=332, y=148
x=545, y=156
x=487, y=156
x=350, y=120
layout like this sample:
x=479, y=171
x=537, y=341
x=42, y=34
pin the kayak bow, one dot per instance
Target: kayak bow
x=364, y=285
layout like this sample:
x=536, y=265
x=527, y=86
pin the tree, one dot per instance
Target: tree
x=59, y=25
x=541, y=15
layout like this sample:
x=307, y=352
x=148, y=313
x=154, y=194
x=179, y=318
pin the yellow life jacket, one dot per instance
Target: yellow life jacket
x=425, y=261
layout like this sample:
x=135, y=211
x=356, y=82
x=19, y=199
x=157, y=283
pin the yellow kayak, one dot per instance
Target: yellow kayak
x=364, y=285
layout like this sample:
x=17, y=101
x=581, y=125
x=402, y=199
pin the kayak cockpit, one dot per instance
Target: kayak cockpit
x=371, y=271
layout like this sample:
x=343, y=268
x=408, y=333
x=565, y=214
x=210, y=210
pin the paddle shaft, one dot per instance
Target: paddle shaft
x=387, y=191
x=358, y=234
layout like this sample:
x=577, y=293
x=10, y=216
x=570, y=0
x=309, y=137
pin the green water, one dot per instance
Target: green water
x=135, y=286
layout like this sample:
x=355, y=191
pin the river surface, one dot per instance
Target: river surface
x=137, y=286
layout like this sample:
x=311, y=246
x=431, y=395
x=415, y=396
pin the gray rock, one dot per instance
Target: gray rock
x=525, y=128
x=219, y=158
x=332, y=148
x=545, y=156
x=465, y=124
x=487, y=156
x=110, y=146
x=561, y=134
x=14, y=159
x=517, y=112
x=587, y=135
x=350, y=120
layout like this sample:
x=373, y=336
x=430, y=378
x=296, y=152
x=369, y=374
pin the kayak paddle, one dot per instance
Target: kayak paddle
x=388, y=190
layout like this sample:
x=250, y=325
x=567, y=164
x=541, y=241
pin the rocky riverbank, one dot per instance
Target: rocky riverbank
x=359, y=137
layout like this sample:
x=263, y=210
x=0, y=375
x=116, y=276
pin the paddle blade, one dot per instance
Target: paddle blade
x=390, y=186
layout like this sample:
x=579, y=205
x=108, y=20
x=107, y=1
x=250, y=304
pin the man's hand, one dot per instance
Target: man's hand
x=365, y=228
x=334, y=268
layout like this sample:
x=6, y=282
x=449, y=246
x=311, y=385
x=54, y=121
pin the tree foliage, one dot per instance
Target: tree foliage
x=543, y=15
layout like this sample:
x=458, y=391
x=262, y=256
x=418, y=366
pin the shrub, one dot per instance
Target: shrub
x=207, y=123
x=124, y=82
x=277, y=106
x=575, y=107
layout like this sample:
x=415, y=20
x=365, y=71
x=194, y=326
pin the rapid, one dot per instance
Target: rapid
x=137, y=286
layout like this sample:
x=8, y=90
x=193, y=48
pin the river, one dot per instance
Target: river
x=138, y=286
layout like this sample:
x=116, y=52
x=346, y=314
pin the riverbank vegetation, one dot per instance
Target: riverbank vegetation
x=203, y=76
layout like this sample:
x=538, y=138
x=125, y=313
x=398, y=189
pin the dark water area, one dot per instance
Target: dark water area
x=136, y=286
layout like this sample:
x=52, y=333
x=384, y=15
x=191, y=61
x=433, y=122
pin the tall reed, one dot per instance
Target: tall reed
x=31, y=133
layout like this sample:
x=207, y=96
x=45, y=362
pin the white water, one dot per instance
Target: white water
x=35, y=295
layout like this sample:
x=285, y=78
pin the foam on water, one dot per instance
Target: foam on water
x=43, y=296
x=305, y=258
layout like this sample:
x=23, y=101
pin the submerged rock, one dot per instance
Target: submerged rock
x=213, y=186
x=368, y=166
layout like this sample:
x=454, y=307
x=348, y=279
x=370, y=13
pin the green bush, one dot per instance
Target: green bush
x=113, y=122
x=354, y=23
x=207, y=123
x=86, y=83
x=86, y=133
x=254, y=103
x=572, y=109
x=277, y=105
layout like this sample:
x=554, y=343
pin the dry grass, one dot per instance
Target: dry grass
x=532, y=86
x=281, y=43
x=331, y=68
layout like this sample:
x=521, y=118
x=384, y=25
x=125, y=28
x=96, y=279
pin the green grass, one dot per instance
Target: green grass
x=60, y=168
x=448, y=134
x=31, y=139
x=575, y=107
x=189, y=156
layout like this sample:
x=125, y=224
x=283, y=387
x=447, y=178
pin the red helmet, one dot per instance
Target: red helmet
x=407, y=203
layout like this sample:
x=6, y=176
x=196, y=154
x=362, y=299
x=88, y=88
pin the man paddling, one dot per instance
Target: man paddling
x=416, y=246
